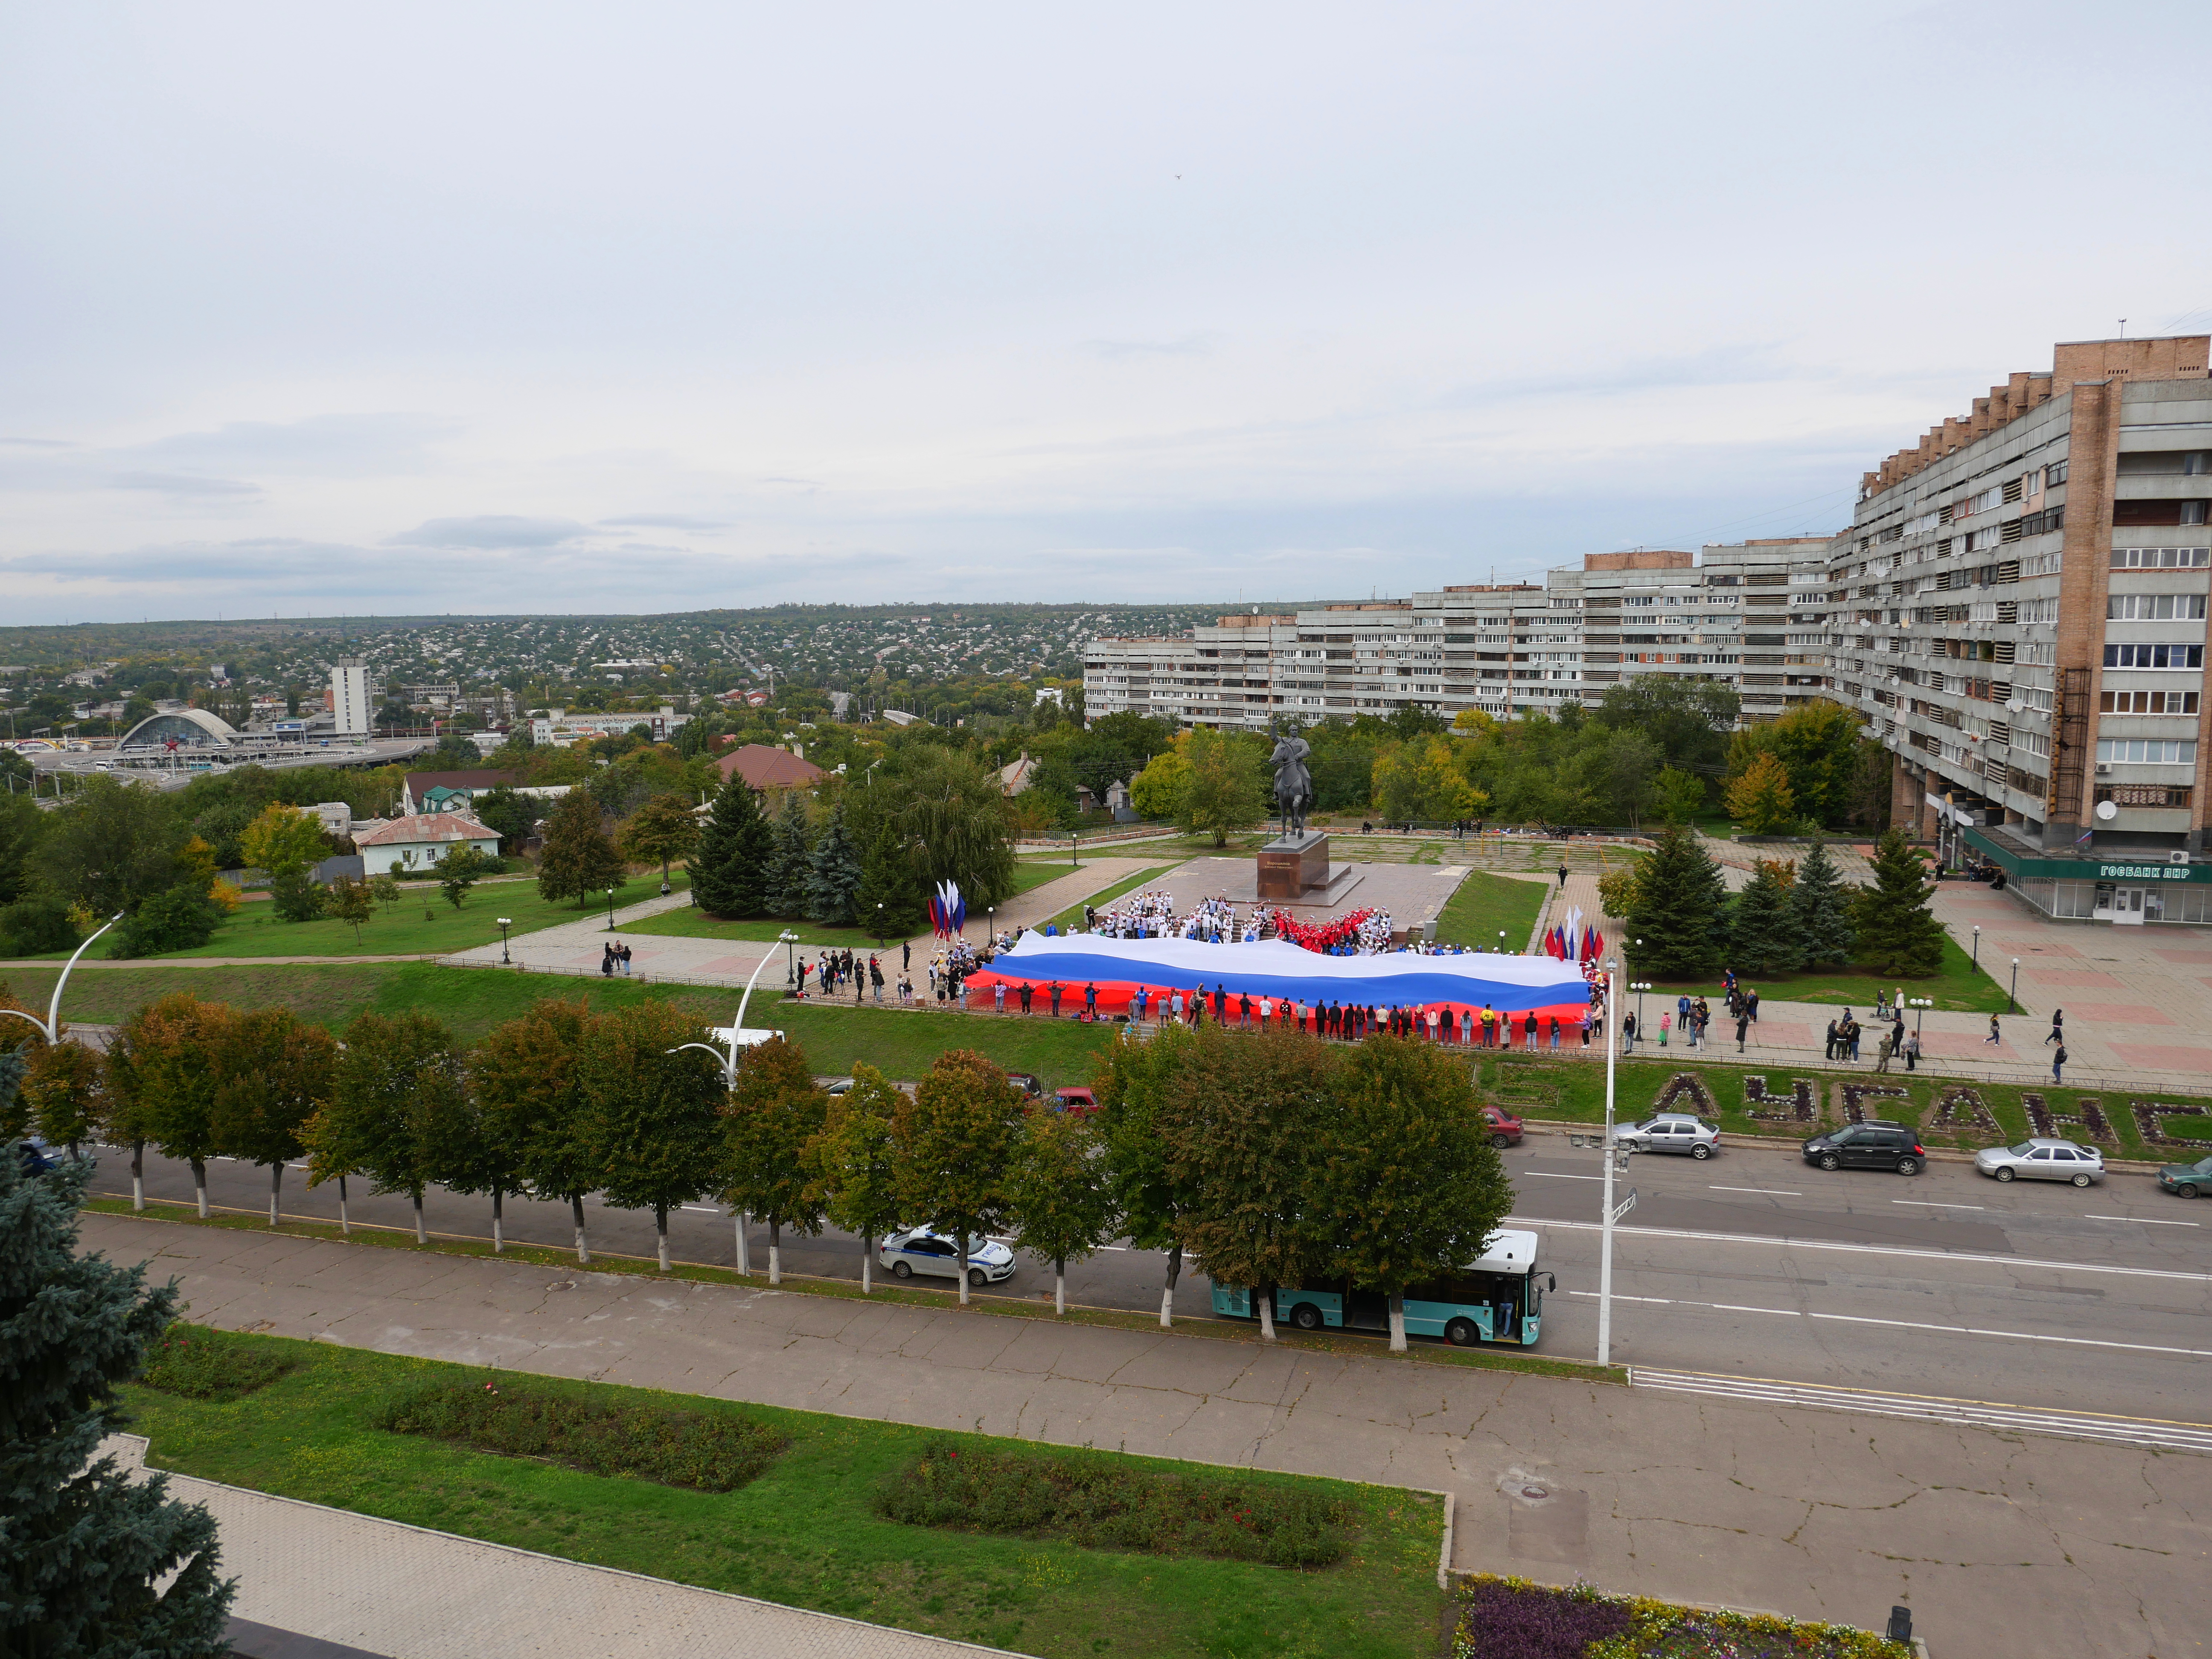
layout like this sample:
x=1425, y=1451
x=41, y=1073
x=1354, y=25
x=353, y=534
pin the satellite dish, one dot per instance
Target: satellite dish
x=2106, y=811
x=2015, y=706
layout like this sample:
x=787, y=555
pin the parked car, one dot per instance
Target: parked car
x=2040, y=1159
x=1029, y=1082
x=35, y=1156
x=919, y=1252
x=838, y=1085
x=1876, y=1144
x=1504, y=1127
x=2186, y=1180
x=1081, y=1101
x=1672, y=1132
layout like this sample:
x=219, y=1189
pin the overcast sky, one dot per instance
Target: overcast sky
x=546, y=307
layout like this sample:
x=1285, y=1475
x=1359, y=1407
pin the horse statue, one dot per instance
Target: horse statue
x=1293, y=783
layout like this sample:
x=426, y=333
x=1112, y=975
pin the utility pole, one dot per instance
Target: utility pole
x=1605, y=1258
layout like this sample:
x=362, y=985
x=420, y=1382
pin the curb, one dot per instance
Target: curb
x=1553, y=1126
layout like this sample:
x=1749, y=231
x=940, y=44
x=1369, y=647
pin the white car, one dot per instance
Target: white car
x=2042, y=1159
x=919, y=1252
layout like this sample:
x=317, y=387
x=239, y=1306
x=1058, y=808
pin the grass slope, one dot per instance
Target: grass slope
x=690, y=923
x=1485, y=905
x=806, y=1533
x=1957, y=986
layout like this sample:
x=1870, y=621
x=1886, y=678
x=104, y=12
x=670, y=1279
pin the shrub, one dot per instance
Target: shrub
x=1513, y=1618
x=177, y=919
x=705, y=1452
x=1100, y=1501
x=32, y=926
x=198, y=1363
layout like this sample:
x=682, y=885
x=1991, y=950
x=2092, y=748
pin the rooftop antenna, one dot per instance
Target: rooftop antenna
x=2123, y=328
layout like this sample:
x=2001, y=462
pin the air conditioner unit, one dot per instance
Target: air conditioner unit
x=2177, y=856
x=2104, y=768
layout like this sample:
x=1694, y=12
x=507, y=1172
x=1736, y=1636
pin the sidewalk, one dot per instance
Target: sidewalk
x=2003, y=1546
x=336, y=1576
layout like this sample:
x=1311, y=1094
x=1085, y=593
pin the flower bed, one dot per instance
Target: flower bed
x=194, y=1362
x=1101, y=1500
x=702, y=1451
x=1513, y=1618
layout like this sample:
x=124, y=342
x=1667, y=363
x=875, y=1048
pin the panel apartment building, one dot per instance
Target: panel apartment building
x=2020, y=605
x=1752, y=614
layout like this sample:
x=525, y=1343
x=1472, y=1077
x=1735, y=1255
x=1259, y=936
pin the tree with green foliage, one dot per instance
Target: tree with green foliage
x=1680, y=915
x=577, y=860
x=1762, y=936
x=1061, y=1202
x=1157, y=792
x=293, y=895
x=888, y=903
x=1897, y=933
x=508, y=815
x=63, y=1087
x=852, y=1165
x=85, y=1548
x=1820, y=911
x=953, y=1142
x=1818, y=748
x=1420, y=781
x=791, y=859
x=1227, y=790
x=283, y=838
x=169, y=1066
x=349, y=901
x=34, y=924
x=1688, y=719
x=1132, y=1091
x=1408, y=1186
x=396, y=1084
x=524, y=1079
x=651, y=1110
x=1761, y=800
x=774, y=1113
x=462, y=869
x=22, y=824
x=834, y=876
x=1677, y=796
x=659, y=832
x=950, y=812
x=384, y=888
x=273, y=1073
x=112, y=846
x=730, y=871
x=1243, y=1120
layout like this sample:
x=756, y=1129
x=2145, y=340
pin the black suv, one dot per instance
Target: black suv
x=1875, y=1144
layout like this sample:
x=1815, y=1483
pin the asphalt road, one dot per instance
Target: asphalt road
x=1752, y=1264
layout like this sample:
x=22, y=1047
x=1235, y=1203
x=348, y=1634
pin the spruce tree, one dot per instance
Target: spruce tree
x=1819, y=911
x=1680, y=915
x=729, y=872
x=84, y=1546
x=833, y=877
x=791, y=862
x=889, y=898
x=1896, y=932
x=1762, y=938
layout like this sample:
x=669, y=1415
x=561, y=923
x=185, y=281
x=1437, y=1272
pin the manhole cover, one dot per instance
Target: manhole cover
x=1535, y=1491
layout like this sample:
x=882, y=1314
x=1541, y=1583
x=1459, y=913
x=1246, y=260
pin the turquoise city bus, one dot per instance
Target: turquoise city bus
x=1498, y=1299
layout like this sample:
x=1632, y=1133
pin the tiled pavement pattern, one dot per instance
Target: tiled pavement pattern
x=1742, y=1503
x=386, y=1589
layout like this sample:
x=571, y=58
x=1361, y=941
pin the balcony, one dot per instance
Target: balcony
x=2156, y=795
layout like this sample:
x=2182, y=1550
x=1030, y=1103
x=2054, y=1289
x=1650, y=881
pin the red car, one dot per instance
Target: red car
x=1081, y=1101
x=1504, y=1127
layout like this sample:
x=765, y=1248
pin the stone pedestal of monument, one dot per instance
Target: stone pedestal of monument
x=1294, y=866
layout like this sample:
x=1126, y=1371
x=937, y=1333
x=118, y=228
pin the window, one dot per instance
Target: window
x=2154, y=607
x=2054, y=475
x=2153, y=656
x=2146, y=702
x=2147, y=751
x=2161, y=558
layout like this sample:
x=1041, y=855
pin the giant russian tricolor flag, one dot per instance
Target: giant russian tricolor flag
x=1543, y=985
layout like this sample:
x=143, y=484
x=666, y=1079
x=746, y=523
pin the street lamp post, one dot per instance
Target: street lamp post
x=1920, y=1006
x=1978, y=946
x=1639, y=986
x=1074, y=836
x=879, y=925
x=1501, y=941
x=2012, y=997
x=610, y=909
x=1612, y=1157
x=790, y=941
x=505, y=923
x=990, y=926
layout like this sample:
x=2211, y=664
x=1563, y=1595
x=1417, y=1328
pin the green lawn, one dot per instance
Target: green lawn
x=421, y=923
x=1484, y=905
x=1958, y=986
x=805, y=1533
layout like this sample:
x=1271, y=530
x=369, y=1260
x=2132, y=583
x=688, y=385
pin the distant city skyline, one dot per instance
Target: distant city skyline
x=515, y=311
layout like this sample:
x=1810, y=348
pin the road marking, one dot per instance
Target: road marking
x=1549, y=1175
x=1672, y=1302
x=2017, y=1336
x=702, y=1209
x=2143, y=1220
x=1979, y=1413
x=1866, y=1249
x=1930, y=1204
x=1770, y=1192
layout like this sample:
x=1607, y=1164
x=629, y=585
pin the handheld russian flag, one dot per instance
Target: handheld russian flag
x=948, y=912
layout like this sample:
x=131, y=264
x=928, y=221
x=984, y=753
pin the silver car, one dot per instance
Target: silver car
x=2042, y=1160
x=934, y=1255
x=1672, y=1132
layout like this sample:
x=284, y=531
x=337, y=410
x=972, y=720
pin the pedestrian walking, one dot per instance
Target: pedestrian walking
x=2057, y=1029
x=1882, y=1055
x=1995, y=1035
x=2057, y=1061
x=906, y=956
x=1562, y=875
x=1912, y=1051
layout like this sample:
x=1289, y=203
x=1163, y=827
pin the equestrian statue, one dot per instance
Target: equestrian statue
x=1293, y=783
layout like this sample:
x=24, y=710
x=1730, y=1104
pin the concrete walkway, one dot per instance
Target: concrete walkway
x=338, y=1577
x=2004, y=1545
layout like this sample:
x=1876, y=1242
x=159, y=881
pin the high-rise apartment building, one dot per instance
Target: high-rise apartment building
x=351, y=712
x=2020, y=605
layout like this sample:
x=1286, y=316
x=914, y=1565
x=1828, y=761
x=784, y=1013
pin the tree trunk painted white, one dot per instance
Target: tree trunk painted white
x=963, y=1269
x=1167, y=1296
x=1397, y=1321
x=1266, y=1303
x=1060, y=1285
x=498, y=1230
x=276, y=1185
x=867, y=1260
x=583, y=1243
x=775, y=1249
x=660, y=1232
x=745, y=1256
x=345, y=1222
x=137, y=1175
x=420, y=1236
x=199, y=1183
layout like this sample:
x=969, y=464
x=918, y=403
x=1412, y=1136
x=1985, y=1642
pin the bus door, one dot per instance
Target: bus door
x=1507, y=1301
x=1367, y=1310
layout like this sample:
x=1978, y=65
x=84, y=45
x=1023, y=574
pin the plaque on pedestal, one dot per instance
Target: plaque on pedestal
x=1293, y=866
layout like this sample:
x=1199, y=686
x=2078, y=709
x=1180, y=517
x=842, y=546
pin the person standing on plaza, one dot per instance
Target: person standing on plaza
x=1851, y=1029
x=2057, y=1061
x=1628, y=1033
x=1555, y=1034
x=1750, y=1006
x=1137, y=1001
x=1912, y=1051
x=999, y=996
x=2057, y=1029
x=1742, y=1025
x=1664, y=1019
x=1027, y=991
x=1586, y=1027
